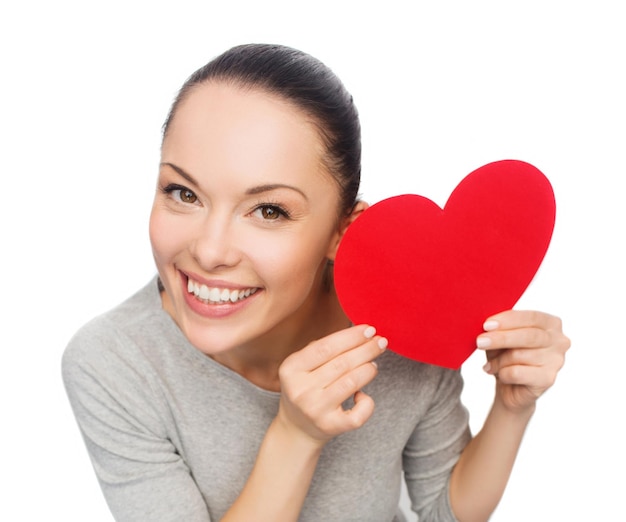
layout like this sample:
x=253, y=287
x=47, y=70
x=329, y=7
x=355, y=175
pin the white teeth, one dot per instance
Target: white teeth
x=214, y=295
x=217, y=295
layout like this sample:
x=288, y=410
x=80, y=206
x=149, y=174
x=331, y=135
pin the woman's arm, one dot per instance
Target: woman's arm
x=525, y=351
x=141, y=472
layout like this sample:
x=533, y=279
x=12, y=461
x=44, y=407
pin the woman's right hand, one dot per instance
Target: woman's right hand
x=318, y=379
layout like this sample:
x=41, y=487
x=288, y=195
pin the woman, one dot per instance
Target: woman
x=233, y=387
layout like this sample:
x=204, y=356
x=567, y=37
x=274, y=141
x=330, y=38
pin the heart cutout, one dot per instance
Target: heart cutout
x=427, y=278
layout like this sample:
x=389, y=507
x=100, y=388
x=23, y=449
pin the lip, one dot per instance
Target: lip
x=217, y=283
x=212, y=311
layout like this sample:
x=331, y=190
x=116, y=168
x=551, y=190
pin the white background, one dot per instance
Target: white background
x=442, y=88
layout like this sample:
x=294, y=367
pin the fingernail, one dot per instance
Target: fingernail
x=490, y=325
x=383, y=343
x=487, y=367
x=375, y=364
x=369, y=332
x=483, y=342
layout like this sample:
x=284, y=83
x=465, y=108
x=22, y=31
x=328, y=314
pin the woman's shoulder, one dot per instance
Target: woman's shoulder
x=400, y=378
x=109, y=369
x=114, y=334
x=413, y=371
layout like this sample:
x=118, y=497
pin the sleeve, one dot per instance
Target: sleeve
x=434, y=448
x=142, y=476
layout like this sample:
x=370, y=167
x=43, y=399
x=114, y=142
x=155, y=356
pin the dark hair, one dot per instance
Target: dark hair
x=307, y=83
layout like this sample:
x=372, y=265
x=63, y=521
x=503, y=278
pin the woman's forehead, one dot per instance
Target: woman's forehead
x=225, y=127
x=217, y=107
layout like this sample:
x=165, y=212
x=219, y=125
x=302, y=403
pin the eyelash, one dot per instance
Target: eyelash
x=282, y=213
x=173, y=187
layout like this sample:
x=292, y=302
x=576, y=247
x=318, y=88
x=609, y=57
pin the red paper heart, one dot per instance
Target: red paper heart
x=427, y=278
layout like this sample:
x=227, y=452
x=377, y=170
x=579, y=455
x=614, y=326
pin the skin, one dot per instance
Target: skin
x=525, y=351
x=244, y=202
x=250, y=157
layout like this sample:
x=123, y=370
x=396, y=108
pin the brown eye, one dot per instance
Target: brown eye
x=270, y=213
x=187, y=196
x=180, y=194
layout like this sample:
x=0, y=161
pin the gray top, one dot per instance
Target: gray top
x=173, y=435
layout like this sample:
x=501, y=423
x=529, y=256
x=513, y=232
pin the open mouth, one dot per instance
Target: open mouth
x=213, y=295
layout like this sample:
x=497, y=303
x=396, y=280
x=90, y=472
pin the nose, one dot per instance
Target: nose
x=214, y=245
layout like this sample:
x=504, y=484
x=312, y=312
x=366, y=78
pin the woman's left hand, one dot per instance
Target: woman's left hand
x=525, y=351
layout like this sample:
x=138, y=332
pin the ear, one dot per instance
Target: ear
x=359, y=207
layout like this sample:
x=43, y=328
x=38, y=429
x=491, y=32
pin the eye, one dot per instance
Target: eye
x=180, y=193
x=271, y=212
x=187, y=196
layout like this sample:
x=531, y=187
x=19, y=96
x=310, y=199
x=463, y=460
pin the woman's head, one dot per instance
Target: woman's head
x=258, y=181
x=308, y=84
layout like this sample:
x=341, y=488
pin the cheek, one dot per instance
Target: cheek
x=165, y=236
x=293, y=260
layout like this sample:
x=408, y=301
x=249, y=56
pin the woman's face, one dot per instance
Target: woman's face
x=244, y=218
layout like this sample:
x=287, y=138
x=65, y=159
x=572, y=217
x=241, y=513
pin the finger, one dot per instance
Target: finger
x=350, y=383
x=514, y=319
x=362, y=410
x=548, y=360
x=525, y=337
x=519, y=356
x=323, y=350
x=539, y=377
x=345, y=362
x=341, y=421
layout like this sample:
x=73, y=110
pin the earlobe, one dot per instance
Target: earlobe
x=359, y=207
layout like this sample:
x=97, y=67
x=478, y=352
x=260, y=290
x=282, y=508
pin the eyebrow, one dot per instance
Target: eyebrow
x=180, y=171
x=267, y=187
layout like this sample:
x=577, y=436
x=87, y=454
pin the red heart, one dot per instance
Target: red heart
x=427, y=278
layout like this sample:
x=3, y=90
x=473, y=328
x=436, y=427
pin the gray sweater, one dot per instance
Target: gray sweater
x=173, y=435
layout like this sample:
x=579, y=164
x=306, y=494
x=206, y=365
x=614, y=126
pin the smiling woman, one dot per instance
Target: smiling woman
x=233, y=386
x=243, y=204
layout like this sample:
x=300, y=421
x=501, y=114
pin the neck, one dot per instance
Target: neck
x=259, y=362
